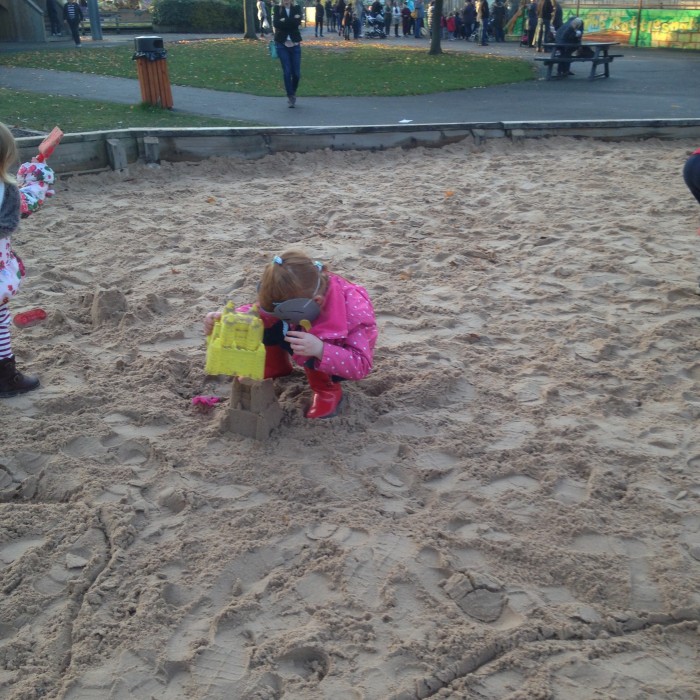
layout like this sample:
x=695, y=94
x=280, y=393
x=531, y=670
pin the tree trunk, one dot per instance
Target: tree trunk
x=249, y=13
x=435, y=48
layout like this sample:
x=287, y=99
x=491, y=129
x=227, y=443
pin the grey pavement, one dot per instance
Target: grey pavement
x=644, y=84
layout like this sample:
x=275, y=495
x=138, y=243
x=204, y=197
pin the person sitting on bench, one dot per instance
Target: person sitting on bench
x=568, y=39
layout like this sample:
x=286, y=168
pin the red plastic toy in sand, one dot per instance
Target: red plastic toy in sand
x=29, y=318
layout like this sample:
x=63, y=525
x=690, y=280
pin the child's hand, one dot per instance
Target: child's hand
x=306, y=344
x=209, y=321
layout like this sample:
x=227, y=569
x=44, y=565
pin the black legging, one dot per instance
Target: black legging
x=75, y=30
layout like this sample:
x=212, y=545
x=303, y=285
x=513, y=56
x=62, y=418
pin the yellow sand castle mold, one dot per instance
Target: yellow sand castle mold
x=235, y=346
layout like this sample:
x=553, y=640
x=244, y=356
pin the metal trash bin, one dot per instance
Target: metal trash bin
x=152, y=69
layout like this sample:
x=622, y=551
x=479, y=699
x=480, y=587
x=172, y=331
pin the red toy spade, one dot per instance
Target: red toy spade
x=46, y=147
x=29, y=318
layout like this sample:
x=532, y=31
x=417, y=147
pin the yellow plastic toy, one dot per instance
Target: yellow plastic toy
x=235, y=346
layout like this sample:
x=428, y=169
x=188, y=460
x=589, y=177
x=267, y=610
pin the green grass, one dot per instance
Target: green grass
x=237, y=65
x=38, y=112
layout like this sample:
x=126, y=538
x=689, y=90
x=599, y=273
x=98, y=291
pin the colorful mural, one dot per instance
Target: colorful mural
x=659, y=28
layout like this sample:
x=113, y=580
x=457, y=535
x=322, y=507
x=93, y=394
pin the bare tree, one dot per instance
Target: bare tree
x=435, y=48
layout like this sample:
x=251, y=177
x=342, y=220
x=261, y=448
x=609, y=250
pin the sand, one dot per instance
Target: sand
x=508, y=507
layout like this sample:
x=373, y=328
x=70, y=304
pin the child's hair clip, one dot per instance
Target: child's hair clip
x=277, y=260
x=319, y=265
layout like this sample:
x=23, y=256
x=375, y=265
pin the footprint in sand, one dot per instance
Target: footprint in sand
x=306, y=662
x=635, y=556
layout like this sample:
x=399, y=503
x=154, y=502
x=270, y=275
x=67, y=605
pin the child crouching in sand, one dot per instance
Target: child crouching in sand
x=341, y=328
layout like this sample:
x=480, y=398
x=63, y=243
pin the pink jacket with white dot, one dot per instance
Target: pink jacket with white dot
x=348, y=329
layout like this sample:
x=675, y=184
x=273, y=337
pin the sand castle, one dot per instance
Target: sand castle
x=235, y=348
x=254, y=411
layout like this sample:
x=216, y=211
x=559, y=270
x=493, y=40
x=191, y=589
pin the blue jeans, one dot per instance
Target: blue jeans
x=290, y=58
x=418, y=26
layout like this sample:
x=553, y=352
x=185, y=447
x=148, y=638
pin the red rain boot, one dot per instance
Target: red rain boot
x=277, y=362
x=328, y=394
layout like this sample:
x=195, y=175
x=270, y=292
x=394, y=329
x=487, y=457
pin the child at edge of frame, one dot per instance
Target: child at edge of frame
x=342, y=329
x=691, y=175
x=12, y=381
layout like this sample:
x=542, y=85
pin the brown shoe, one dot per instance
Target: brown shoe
x=12, y=381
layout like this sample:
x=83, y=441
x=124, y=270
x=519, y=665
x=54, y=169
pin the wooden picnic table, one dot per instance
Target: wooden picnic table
x=599, y=56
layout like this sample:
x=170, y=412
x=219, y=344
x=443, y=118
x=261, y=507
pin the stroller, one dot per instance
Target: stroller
x=375, y=27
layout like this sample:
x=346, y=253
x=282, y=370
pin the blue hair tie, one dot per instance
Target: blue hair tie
x=277, y=260
x=319, y=265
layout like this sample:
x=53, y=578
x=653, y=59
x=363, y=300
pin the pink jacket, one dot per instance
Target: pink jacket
x=347, y=328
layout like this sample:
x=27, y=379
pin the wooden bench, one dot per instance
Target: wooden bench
x=599, y=57
x=122, y=19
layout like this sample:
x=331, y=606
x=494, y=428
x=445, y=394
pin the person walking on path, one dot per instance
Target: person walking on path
x=286, y=20
x=469, y=19
x=339, y=12
x=263, y=21
x=482, y=16
x=499, y=12
x=531, y=23
x=330, y=16
x=73, y=16
x=545, y=11
x=406, y=19
x=396, y=16
x=387, y=18
x=54, y=18
x=320, y=14
x=419, y=9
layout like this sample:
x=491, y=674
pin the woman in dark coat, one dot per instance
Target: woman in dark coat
x=286, y=20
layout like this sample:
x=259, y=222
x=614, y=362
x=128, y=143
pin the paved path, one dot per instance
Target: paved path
x=645, y=84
